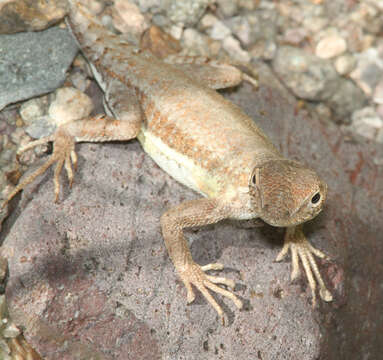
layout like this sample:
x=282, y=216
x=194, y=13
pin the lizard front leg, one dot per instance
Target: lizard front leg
x=301, y=249
x=195, y=213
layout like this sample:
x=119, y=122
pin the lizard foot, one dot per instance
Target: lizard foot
x=301, y=249
x=63, y=155
x=195, y=274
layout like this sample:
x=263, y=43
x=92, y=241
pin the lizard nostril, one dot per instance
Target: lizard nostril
x=315, y=199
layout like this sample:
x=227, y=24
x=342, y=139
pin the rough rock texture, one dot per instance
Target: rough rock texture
x=32, y=64
x=90, y=277
x=30, y=15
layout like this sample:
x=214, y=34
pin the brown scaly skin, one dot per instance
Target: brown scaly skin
x=198, y=137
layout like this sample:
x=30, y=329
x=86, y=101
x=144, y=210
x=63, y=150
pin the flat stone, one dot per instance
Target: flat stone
x=33, y=63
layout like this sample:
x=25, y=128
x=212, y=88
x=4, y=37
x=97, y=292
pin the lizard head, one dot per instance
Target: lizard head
x=286, y=193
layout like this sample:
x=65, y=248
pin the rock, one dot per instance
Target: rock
x=366, y=122
x=233, y=48
x=3, y=271
x=330, y=46
x=379, y=139
x=69, y=104
x=95, y=7
x=241, y=28
x=219, y=31
x=34, y=108
x=128, y=19
x=378, y=92
x=11, y=331
x=159, y=43
x=347, y=98
x=307, y=76
x=248, y=5
x=79, y=80
x=52, y=52
x=101, y=272
x=368, y=17
x=187, y=12
x=368, y=71
x=30, y=15
x=345, y=64
x=229, y=8
x=295, y=36
x=264, y=50
x=196, y=43
x=314, y=24
x=44, y=114
x=207, y=21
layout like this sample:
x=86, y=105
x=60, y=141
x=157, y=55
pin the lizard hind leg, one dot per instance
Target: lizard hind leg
x=211, y=73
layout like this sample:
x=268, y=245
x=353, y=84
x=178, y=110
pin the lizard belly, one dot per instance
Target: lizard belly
x=178, y=165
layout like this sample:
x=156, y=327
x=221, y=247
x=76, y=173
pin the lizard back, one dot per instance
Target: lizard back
x=197, y=136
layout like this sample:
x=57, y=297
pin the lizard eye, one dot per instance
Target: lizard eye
x=254, y=179
x=315, y=199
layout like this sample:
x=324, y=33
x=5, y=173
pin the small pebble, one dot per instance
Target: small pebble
x=330, y=47
x=69, y=104
x=378, y=92
x=345, y=64
x=233, y=47
x=11, y=331
x=128, y=19
x=366, y=122
x=219, y=31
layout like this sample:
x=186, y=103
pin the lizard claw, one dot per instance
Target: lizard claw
x=63, y=155
x=303, y=250
x=194, y=274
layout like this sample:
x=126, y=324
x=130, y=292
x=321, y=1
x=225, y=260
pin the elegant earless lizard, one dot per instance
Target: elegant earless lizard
x=198, y=137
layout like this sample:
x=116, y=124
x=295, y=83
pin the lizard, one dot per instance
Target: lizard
x=198, y=137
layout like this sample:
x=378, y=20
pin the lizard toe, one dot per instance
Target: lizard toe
x=194, y=274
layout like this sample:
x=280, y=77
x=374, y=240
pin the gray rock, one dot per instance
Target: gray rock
x=228, y=7
x=378, y=92
x=187, y=12
x=367, y=122
x=307, y=76
x=347, y=98
x=368, y=71
x=32, y=64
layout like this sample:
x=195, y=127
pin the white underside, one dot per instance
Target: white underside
x=177, y=165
